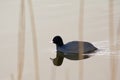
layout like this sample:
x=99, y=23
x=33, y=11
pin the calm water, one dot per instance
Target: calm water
x=55, y=17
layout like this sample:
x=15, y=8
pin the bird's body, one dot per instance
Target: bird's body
x=71, y=50
x=74, y=47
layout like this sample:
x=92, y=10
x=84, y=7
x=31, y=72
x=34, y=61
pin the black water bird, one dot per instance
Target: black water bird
x=71, y=50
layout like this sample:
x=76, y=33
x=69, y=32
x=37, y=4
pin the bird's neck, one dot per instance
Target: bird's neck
x=60, y=44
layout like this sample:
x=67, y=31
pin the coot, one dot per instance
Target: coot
x=71, y=50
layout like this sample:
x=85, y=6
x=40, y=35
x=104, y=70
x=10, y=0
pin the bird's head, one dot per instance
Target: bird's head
x=58, y=41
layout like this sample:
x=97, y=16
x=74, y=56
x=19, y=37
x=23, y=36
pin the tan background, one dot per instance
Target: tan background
x=55, y=17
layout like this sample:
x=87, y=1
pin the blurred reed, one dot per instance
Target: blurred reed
x=21, y=41
x=81, y=26
x=34, y=37
x=114, y=56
